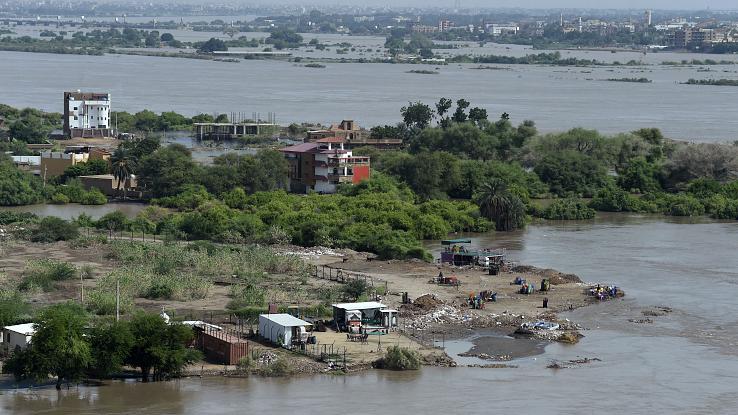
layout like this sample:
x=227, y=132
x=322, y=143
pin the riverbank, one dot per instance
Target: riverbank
x=438, y=313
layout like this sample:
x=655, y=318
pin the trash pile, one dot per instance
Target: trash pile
x=441, y=315
x=267, y=358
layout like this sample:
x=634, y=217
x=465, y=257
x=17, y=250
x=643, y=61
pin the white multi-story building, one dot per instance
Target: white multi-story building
x=87, y=114
x=502, y=29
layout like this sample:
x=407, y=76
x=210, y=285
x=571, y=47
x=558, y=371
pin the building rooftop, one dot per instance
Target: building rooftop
x=360, y=306
x=99, y=176
x=26, y=329
x=285, y=320
x=301, y=148
x=331, y=140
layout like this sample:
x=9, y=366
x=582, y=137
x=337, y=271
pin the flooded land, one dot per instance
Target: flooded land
x=686, y=357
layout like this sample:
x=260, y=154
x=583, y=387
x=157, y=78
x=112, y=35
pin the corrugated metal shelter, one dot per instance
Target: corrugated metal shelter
x=220, y=345
x=370, y=313
x=283, y=329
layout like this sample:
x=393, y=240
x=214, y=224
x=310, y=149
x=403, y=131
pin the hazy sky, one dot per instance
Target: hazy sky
x=544, y=4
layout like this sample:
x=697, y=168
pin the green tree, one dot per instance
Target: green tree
x=569, y=172
x=460, y=113
x=18, y=187
x=52, y=229
x=212, y=45
x=123, y=166
x=31, y=129
x=146, y=120
x=159, y=349
x=59, y=347
x=417, y=114
x=110, y=342
x=497, y=203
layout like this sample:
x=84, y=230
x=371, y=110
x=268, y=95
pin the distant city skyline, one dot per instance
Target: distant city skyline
x=535, y=4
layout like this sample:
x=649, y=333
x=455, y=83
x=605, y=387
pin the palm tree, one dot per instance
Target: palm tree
x=123, y=166
x=498, y=204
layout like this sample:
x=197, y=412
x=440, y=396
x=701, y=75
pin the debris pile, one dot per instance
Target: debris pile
x=267, y=358
x=427, y=302
x=555, y=277
x=571, y=363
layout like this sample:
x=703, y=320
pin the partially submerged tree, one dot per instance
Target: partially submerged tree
x=500, y=205
x=59, y=347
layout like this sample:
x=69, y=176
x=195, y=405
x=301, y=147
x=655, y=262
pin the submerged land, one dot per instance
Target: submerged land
x=208, y=284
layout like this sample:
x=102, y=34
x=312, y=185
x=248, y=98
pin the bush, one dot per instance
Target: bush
x=43, y=274
x=93, y=197
x=10, y=217
x=355, y=288
x=113, y=221
x=568, y=209
x=276, y=369
x=52, y=229
x=59, y=199
x=400, y=358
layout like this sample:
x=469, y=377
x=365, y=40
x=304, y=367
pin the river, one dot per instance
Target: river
x=73, y=210
x=684, y=362
x=557, y=98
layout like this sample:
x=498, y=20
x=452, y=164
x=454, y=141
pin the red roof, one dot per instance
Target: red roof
x=301, y=148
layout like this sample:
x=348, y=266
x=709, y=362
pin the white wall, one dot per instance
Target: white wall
x=273, y=331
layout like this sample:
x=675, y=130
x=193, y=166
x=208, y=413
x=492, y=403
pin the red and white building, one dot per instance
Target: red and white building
x=324, y=164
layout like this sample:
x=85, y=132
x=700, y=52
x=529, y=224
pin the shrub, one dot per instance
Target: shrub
x=93, y=197
x=10, y=217
x=276, y=369
x=355, y=288
x=43, y=274
x=114, y=221
x=59, y=199
x=52, y=229
x=400, y=358
x=568, y=209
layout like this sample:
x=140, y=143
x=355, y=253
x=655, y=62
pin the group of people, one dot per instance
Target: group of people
x=603, y=292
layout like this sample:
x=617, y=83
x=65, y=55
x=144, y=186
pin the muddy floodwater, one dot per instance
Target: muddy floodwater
x=684, y=362
x=73, y=210
x=556, y=98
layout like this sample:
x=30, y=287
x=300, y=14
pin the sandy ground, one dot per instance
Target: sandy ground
x=419, y=326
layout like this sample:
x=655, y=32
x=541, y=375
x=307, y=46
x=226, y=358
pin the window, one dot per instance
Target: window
x=75, y=108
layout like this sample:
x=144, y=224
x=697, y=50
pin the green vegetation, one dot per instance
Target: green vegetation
x=314, y=65
x=284, y=39
x=423, y=72
x=553, y=58
x=212, y=45
x=52, y=229
x=44, y=274
x=71, y=346
x=568, y=209
x=715, y=82
x=93, y=42
x=400, y=358
x=18, y=187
